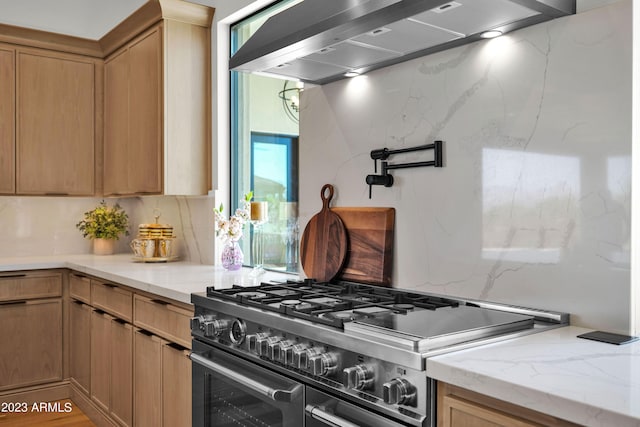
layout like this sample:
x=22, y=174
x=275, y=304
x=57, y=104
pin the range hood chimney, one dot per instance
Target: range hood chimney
x=319, y=41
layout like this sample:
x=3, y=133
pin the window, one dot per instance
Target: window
x=264, y=151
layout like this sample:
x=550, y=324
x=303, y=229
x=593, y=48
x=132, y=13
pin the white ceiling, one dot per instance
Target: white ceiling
x=89, y=19
x=92, y=19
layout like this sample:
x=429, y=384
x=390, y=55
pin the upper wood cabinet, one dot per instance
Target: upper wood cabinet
x=55, y=107
x=7, y=120
x=157, y=112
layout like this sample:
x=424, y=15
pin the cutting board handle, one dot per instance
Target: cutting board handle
x=326, y=200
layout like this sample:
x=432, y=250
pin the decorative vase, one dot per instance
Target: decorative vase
x=103, y=246
x=232, y=256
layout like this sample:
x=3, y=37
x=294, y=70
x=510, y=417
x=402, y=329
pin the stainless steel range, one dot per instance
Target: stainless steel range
x=337, y=354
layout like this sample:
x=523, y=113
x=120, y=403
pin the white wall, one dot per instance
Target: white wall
x=533, y=206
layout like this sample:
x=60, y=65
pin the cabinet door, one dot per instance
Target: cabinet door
x=121, y=372
x=147, y=380
x=116, y=128
x=31, y=337
x=145, y=113
x=176, y=390
x=55, y=124
x=7, y=121
x=133, y=118
x=101, y=359
x=460, y=412
x=80, y=345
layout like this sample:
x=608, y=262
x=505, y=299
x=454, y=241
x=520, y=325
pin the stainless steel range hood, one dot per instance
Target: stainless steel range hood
x=318, y=41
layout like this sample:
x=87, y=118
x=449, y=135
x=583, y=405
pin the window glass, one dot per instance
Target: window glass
x=264, y=151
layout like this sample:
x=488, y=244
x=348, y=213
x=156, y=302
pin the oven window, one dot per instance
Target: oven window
x=231, y=406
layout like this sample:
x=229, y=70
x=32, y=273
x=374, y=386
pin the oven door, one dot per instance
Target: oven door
x=322, y=410
x=230, y=391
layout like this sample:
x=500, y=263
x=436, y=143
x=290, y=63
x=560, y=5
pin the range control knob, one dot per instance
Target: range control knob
x=299, y=359
x=214, y=327
x=195, y=322
x=359, y=377
x=398, y=391
x=262, y=345
x=278, y=351
x=323, y=364
x=252, y=341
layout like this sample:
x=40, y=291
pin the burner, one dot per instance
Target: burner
x=290, y=302
x=325, y=301
x=305, y=306
x=251, y=295
x=342, y=315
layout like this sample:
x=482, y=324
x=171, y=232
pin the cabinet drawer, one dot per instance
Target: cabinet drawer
x=30, y=285
x=164, y=319
x=80, y=288
x=112, y=299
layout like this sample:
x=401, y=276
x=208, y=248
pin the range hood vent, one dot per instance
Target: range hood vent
x=318, y=41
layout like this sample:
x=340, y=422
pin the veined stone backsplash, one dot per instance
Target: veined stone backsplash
x=31, y=226
x=533, y=205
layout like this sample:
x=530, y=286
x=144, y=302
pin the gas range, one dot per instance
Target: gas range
x=365, y=344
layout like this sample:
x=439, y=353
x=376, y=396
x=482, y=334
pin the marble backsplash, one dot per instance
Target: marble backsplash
x=46, y=225
x=533, y=205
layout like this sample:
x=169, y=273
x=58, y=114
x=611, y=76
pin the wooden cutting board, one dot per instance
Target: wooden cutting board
x=370, y=234
x=323, y=247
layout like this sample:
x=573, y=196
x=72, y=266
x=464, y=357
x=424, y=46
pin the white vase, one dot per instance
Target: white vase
x=104, y=246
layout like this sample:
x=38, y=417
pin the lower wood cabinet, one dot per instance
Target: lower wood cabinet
x=458, y=407
x=112, y=366
x=136, y=373
x=31, y=343
x=31, y=313
x=80, y=345
x=162, y=382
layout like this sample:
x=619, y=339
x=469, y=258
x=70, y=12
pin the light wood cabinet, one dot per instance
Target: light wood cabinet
x=176, y=390
x=55, y=106
x=31, y=337
x=7, y=120
x=162, y=382
x=112, y=299
x=80, y=288
x=30, y=328
x=458, y=407
x=112, y=366
x=147, y=380
x=157, y=114
x=121, y=406
x=80, y=345
x=101, y=359
x=164, y=319
x=133, y=144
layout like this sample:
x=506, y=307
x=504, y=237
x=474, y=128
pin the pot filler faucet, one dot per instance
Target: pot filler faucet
x=383, y=154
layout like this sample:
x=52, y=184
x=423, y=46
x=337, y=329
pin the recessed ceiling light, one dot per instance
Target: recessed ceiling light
x=491, y=34
x=351, y=74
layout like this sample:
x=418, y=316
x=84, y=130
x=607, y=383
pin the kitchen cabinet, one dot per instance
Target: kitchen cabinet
x=55, y=111
x=461, y=407
x=162, y=382
x=7, y=120
x=80, y=345
x=157, y=119
x=31, y=332
x=112, y=366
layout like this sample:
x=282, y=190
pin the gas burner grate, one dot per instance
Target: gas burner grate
x=316, y=302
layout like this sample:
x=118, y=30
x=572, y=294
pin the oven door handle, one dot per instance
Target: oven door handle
x=277, y=395
x=317, y=413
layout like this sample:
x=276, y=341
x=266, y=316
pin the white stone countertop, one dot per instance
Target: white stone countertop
x=173, y=280
x=583, y=381
x=553, y=372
